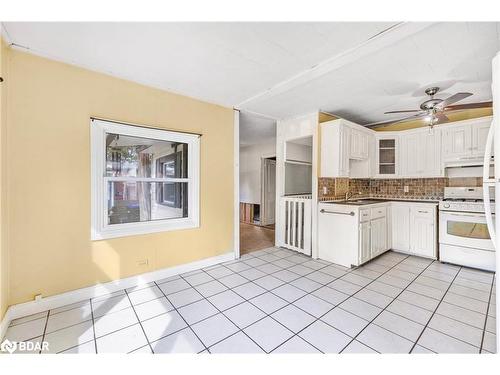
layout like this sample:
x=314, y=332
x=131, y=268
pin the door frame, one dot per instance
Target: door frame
x=236, y=183
x=263, y=206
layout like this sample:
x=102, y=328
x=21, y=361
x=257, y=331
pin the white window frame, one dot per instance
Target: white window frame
x=100, y=229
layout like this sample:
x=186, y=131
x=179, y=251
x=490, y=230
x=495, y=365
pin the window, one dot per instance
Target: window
x=143, y=180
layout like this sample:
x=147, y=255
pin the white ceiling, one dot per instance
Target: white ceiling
x=356, y=70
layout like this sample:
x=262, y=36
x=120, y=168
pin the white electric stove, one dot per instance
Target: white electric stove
x=464, y=238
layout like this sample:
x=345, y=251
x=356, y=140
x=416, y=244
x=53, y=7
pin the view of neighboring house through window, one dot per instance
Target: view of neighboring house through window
x=148, y=178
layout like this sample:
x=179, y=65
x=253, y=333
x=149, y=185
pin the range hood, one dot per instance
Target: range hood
x=467, y=162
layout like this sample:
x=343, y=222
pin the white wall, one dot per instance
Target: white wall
x=298, y=152
x=250, y=173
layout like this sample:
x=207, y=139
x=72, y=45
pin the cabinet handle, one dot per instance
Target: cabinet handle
x=423, y=212
x=336, y=212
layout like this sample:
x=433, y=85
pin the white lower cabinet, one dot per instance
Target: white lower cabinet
x=372, y=232
x=350, y=235
x=423, y=232
x=414, y=228
x=401, y=227
x=378, y=236
x=364, y=242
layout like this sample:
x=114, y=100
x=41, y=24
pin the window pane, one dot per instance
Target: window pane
x=142, y=157
x=131, y=202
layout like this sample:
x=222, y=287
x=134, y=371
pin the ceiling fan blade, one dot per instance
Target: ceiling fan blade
x=453, y=99
x=458, y=107
x=441, y=117
x=390, y=122
x=406, y=111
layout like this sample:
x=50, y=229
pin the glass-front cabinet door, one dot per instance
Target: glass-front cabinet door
x=387, y=156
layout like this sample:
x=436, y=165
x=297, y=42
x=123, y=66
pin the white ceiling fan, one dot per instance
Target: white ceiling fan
x=434, y=110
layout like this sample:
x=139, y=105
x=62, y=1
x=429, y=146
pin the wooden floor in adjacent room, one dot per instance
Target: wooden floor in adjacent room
x=254, y=237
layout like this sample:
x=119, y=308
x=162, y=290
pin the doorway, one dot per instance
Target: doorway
x=268, y=192
x=257, y=219
x=257, y=182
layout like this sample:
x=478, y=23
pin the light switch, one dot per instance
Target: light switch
x=406, y=188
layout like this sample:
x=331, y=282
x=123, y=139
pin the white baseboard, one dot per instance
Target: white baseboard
x=4, y=323
x=58, y=300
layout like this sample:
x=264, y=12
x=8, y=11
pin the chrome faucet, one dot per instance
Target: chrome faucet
x=348, y=195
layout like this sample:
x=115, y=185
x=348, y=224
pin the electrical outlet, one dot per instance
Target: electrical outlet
x=143, y=262
x=325, y=190
x=38, y=297
x=406, y=188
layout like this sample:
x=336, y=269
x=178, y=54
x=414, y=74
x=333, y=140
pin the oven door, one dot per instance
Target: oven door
x=465, y=229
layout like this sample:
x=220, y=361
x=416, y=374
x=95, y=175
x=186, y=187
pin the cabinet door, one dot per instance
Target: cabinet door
x=423, y=232
x=457, y=142
x=400, y=227
x=364, y=146
x=412, y=159
x=364, y=242
x=378, y=236
x=344, y=151
x=354, y=143
x=387, y=157
x=431, y=153
x=479, y=135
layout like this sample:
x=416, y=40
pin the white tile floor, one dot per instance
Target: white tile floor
x=277, y=301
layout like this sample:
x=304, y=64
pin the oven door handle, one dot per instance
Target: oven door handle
x=487, y=183
x=466, y=214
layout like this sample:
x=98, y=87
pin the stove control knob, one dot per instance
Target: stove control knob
x=446, y=205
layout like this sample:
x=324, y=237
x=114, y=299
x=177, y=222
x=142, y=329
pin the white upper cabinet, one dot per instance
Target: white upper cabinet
x=465, y=141
x=479, y=135
x=421, y=154
x=350, y=150
x=345, y=149
x=457, y=142
x=359, y=141
x=387, y=156
x=334, y=149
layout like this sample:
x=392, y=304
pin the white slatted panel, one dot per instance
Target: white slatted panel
x=297, y=219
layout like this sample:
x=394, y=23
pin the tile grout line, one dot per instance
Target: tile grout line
x=270, y=291
x=93, y=324
x=266, y=315
x=289, y=283
x=284, y=283
x=434, y=312
x=222, y=312
x=486, y=319
x=140, y=324
x=44, y=329
x=338, y=304
x=384, y=309
x=185, y=321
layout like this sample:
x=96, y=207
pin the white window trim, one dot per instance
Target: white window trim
x=100, y=230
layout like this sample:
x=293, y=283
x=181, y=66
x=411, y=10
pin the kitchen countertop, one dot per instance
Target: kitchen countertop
x=369, y=201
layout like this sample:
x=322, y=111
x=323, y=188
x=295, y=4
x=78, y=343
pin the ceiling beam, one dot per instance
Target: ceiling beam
x=377, y=42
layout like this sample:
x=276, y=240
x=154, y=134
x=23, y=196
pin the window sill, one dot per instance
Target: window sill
x=135, y=229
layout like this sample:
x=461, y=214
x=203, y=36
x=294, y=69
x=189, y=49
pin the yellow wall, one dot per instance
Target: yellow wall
x=49, y=108
x=4, y=280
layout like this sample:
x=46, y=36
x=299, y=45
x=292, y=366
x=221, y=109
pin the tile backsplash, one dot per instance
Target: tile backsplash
x=417, y=188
